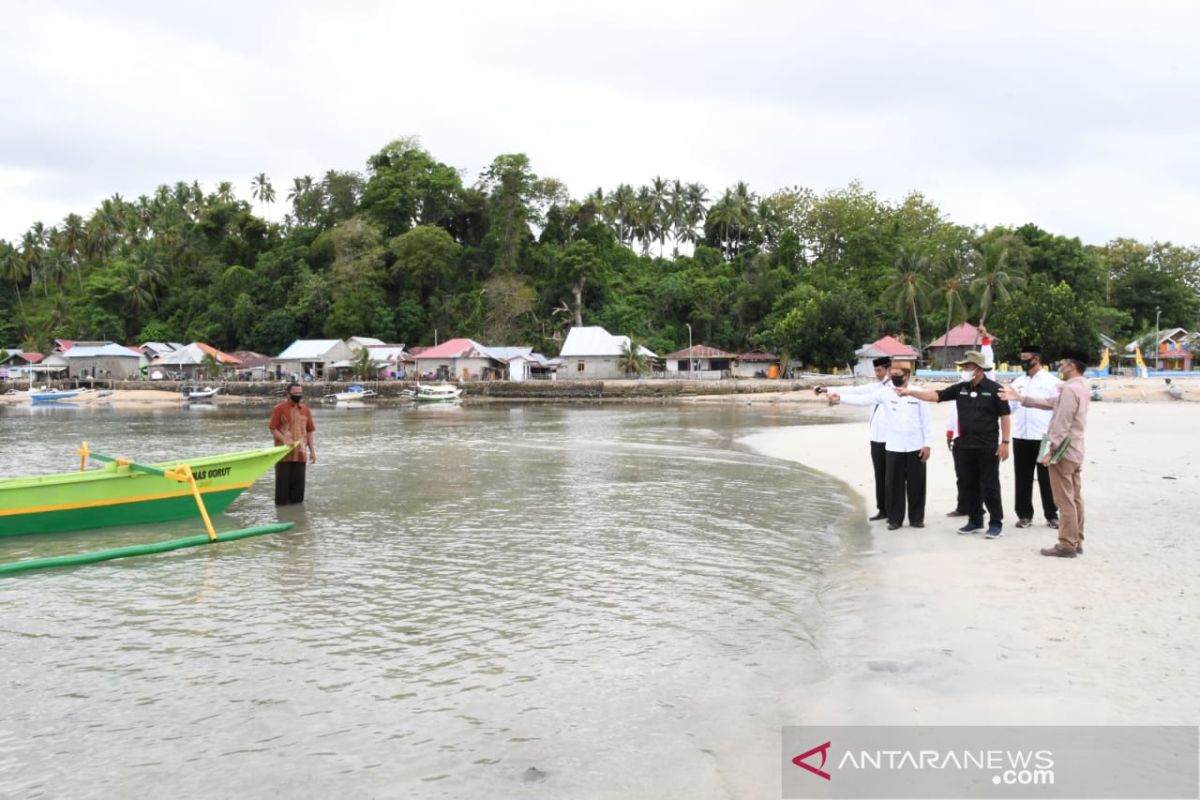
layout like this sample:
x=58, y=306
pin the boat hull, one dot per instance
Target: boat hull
x=117, y=495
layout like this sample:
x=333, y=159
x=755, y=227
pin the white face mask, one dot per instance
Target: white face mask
x=968, y=375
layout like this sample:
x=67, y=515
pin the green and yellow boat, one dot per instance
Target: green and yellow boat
x=125, y=493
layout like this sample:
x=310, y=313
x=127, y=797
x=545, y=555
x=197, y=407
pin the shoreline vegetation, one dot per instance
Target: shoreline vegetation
x=406, y=251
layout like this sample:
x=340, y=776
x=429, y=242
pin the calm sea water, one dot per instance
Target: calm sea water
x=623, y=599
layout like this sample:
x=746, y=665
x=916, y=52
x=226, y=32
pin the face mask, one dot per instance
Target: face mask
x=897, y=380
x=1027, y=364
x=968, y=375
x=295, y=398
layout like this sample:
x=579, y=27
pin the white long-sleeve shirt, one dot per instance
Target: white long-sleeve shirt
x=878, y=429
x=1032, y=423
x=907, y=420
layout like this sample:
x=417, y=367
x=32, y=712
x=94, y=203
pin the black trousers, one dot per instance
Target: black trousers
x=961, y=504
x=289, y=482
x=905, y=482
x=879, y=461
x=981, y=484
x=1025, y=466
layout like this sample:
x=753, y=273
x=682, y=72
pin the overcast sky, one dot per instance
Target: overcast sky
x=1081, y=117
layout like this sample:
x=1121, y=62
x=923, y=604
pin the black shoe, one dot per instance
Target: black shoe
x=1053, y=523
x=1054, y=551
x=970, y=527
x=957, y=513
x=1024, y=523
x=1079, y=550
x=916, y=524
x=995, y=530
x=893, y=527
x=878, y=516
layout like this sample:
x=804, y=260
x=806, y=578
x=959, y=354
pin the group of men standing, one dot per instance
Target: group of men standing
x=1039, y=420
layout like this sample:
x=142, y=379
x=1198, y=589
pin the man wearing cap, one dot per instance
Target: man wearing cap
x=1068, y=423
x=1029, y=426
x=909, y=426
x=983, y=421
x=878, y=433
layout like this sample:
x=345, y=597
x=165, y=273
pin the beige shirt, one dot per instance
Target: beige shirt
x=1069, y=417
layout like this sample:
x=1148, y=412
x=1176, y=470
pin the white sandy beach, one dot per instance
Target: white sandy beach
x=961, y=630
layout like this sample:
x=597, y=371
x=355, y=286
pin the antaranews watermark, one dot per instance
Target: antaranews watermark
x=991, y=762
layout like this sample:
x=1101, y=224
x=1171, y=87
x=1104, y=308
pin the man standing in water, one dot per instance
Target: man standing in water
x=982, y=414
x=292, y=424
x=1067, y=426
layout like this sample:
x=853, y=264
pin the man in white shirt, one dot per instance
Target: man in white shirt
x=908, y=423
x=878, y=434
x=1029, y=425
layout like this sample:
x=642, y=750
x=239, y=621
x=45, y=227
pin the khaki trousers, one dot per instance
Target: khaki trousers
x=1067, y=485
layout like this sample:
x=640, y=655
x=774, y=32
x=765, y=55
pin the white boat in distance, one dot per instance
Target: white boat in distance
x=352, y=394
x=435, y=393
x=199, y=394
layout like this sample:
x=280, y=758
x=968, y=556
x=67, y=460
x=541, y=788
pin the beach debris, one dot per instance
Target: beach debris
x=533, y=775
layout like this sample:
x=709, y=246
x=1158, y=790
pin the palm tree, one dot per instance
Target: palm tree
x=620, y=210
x=210, y=367
x=262, y=191
x=225, y=192
x=951, y=289
x=631, y=361
x=13, y=269
x=363, y=366
x=992, y=279
x=645, y=218
x=910, y=287
x=697, y=210
x=31, y=253
x=658, y=190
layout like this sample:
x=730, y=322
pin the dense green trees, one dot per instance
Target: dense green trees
x=407, y=249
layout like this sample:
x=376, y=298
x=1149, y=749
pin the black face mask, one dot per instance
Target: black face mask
x=1027, y=364
x=897, y=380
x=295, y=398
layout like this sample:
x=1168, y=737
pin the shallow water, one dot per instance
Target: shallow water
x=619, y=597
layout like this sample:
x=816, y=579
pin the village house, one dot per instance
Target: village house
x=951, y=347
x=107, y=361
x=252, y=366
x=188, y=362
x=521, y=363
x=311, y=359
x=888, y=346
x=699, y=361
x=459, y=359
x=591, y=353
x=1169, y=349
x=755, y=364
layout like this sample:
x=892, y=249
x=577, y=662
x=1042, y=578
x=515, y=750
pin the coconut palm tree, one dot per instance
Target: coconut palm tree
x=992, y=281
x=910, y=287
x=13, y=269
x=31, y=253
x=262, y=191
x=631, y=361
x=950, y=289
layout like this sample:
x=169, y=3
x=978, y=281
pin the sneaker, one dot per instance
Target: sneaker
x=1053, y=523
x=994, y=531
x=957, y=513
x=970, y=527
x=1024, y=523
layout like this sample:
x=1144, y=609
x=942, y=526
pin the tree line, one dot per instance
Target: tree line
x=406, y=251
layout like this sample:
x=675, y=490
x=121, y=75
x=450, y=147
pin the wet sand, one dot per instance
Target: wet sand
x=962, y=630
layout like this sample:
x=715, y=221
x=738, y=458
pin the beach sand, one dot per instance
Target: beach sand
x=954, y=629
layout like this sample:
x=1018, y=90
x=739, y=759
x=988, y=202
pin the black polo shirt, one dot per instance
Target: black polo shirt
x=979, y=411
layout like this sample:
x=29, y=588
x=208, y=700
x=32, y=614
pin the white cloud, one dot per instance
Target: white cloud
x=1081, y=117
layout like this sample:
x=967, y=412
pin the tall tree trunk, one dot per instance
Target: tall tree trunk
x=577, y=291
x=917, y=325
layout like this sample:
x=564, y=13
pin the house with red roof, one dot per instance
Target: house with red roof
x=887, y=347
x=189, y=361
x=950, y=347
x=459, y=359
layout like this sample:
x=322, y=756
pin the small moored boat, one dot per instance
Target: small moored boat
x=51, y=396
x=435, y=393
x=351, y=395
x=190, y=393
x=124, y=493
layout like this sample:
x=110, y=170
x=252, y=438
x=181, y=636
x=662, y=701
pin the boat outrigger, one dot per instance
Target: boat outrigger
x=124, y=492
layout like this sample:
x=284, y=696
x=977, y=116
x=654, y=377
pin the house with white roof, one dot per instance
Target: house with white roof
x=591, y=353
x=109, y=361
x=187, y=362
x=312, y=358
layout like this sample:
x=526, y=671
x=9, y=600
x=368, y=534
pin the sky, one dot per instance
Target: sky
x=1081, y=117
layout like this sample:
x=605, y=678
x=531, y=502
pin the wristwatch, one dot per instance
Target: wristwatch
x=1005, y=441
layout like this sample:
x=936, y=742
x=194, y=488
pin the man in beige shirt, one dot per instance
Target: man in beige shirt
x=1067, y=424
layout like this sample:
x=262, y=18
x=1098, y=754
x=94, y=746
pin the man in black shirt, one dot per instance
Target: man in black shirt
x=982, y=420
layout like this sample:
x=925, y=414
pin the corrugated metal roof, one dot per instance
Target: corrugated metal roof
x=457, y=348
x=505, y=353
x=699, y=351
x=109, y=350
x=757, y=356
x=595, y=341
x=308, y=349
x=965, y=335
